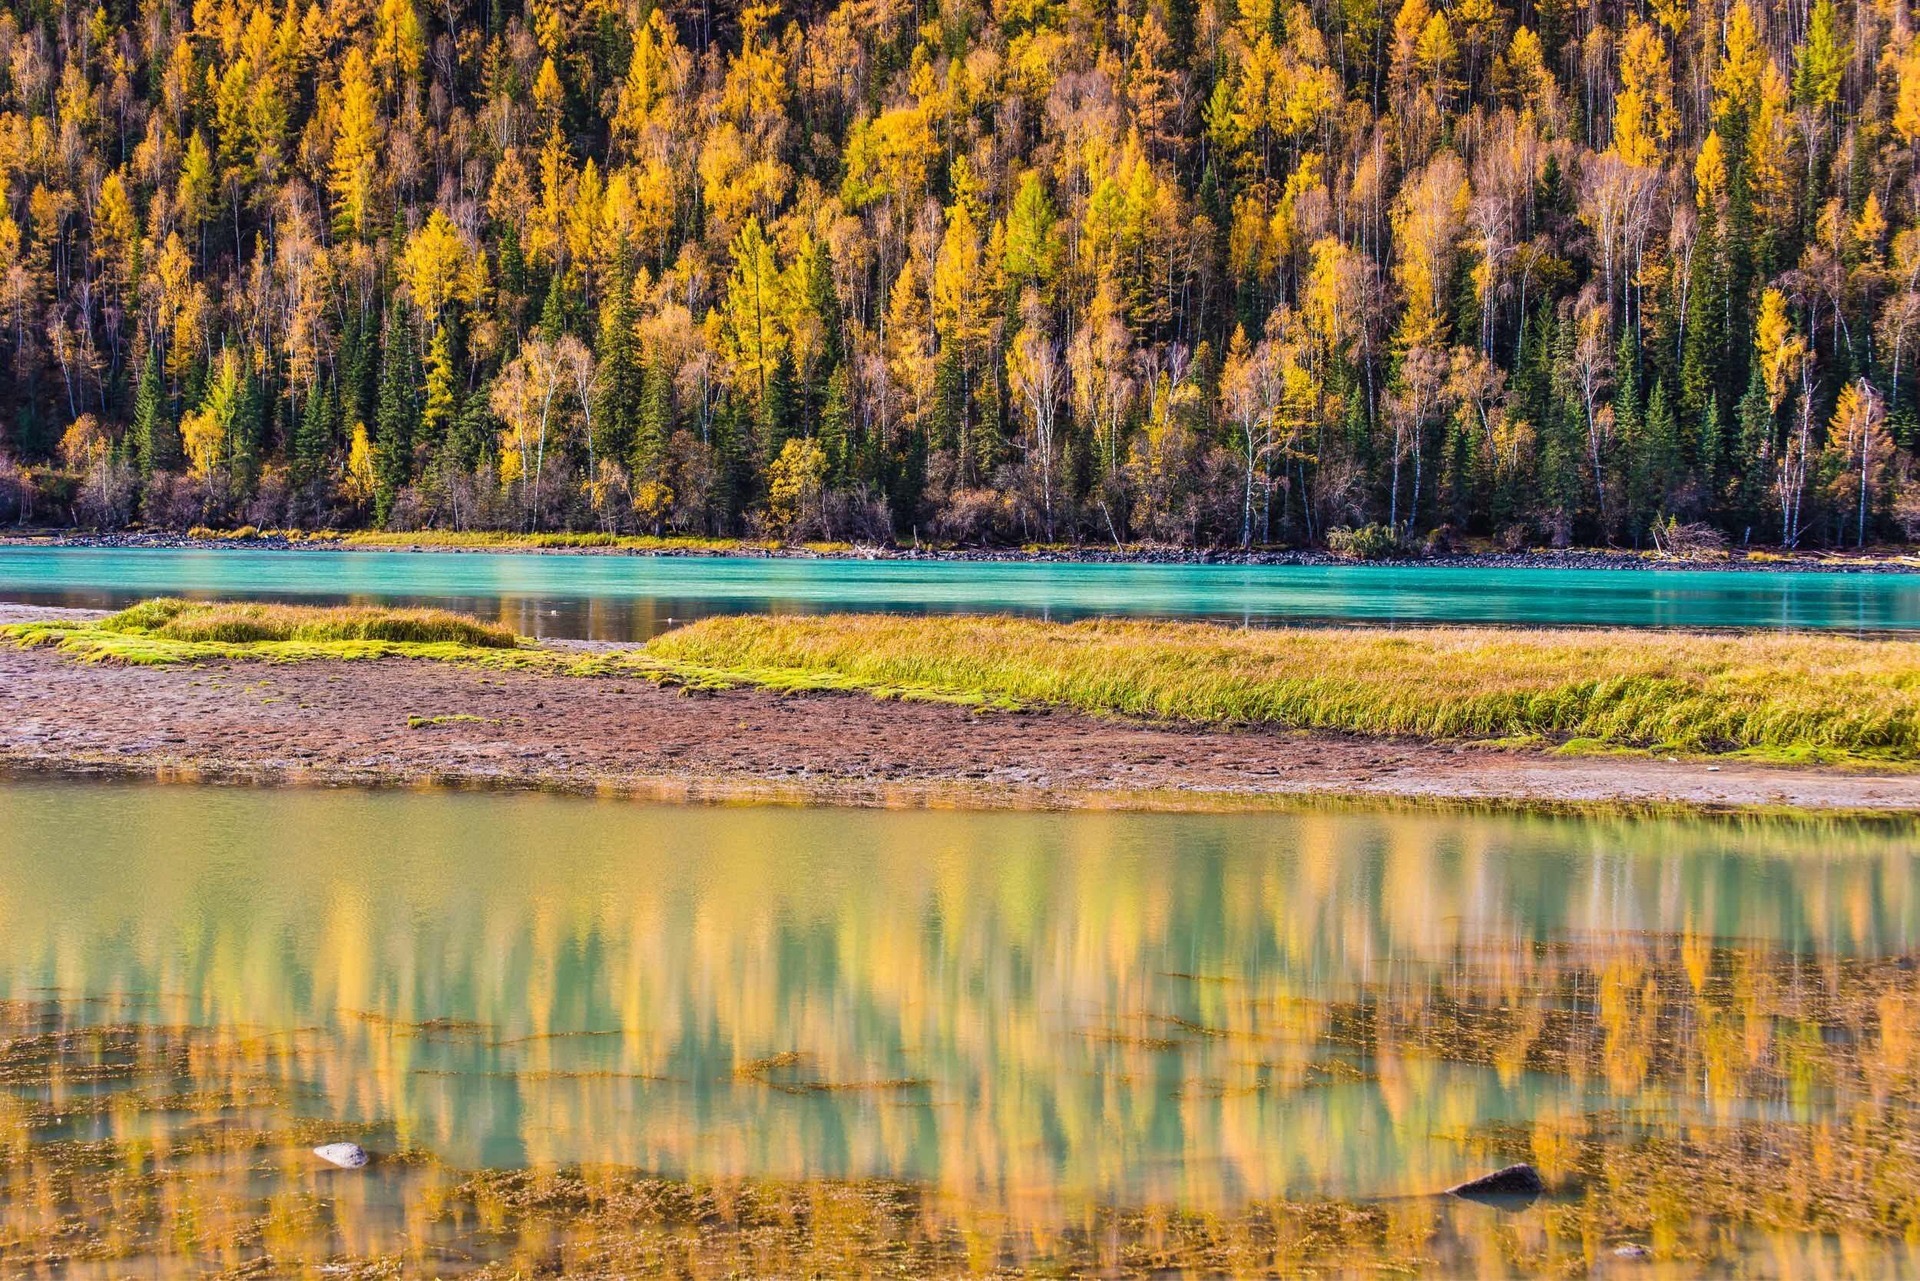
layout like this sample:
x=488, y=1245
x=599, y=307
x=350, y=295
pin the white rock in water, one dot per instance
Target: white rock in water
x=348, y=1156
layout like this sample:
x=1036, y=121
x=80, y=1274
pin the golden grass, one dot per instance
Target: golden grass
x=242, y=622
x=1763, y=693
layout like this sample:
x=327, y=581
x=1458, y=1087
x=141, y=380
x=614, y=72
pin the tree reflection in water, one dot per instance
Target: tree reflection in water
x=622, y=1038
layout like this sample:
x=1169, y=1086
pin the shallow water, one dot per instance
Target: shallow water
x=634, y=597
x=1023, y=1015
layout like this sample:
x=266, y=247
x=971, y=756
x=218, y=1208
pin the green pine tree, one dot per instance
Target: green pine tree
x=1746, y=470
x=394, y=419
x=553, y=312
x=1661, y=466
x=654, y=425
x=313, y=441
x=1706, y=334
x=836, y=425
x=617, y=382
x=1629, y=431
x=155, y=435
x=246, y=434
x=774, y=413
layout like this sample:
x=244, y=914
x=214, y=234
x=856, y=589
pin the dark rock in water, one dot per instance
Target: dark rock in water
x=1517, y=1183
x=348, y=1156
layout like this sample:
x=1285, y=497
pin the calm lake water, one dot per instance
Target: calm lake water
x=634, y=597
x=1025, y=1014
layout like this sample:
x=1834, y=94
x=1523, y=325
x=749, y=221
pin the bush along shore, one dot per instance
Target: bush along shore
x=1791, y=698
x=1892, y=559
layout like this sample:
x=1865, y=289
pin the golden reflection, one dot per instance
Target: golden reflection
x=584, y=1031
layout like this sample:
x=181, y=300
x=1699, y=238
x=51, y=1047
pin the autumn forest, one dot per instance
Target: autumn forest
x=1179, y=272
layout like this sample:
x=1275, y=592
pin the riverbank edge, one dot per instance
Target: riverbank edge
x=1759, y=560
x=669, y=789
x=72, y=711
x=60, y=738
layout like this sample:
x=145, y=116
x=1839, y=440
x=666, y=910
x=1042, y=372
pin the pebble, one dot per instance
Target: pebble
x=348, y=1156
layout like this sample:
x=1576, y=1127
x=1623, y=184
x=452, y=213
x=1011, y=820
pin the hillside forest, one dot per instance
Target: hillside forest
x=1218, y=273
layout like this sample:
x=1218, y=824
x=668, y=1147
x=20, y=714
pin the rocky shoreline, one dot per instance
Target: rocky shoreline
x=1575, y=558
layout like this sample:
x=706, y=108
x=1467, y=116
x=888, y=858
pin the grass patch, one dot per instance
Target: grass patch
x=166, y=631
x=455, y=718
x=246, y=622
x=1772, y=695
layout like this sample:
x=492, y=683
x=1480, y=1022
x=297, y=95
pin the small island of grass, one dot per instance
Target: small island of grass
x=1784, y=697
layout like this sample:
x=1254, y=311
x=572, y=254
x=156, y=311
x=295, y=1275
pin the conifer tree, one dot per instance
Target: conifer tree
x=438, y=410
x=394, y=419
x=155, y=435
x=617, y=389
x=313, y=441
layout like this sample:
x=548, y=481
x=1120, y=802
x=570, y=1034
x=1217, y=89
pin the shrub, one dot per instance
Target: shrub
x=1688, y=542
x=16, y=492
x=105, y=500
x=1369, y=542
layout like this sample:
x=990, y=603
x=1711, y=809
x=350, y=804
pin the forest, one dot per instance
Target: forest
x=1196, y=273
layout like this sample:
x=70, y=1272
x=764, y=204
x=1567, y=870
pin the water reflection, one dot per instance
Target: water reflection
x=1023, y=1015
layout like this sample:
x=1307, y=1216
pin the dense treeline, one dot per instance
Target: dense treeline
x=1197, y=271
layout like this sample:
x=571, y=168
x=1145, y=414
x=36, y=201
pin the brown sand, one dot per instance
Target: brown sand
x=348, y=723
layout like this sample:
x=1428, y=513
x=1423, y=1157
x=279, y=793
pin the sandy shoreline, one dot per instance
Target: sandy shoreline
x=412, y=723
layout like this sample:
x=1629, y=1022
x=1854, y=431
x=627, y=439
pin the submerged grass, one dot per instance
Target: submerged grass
x=1791, y=698
x=1777, y=1094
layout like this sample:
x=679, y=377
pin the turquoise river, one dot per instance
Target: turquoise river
x=619, y=597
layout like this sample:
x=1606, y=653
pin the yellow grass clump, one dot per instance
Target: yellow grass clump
x=1791, y=695
x=242, y=622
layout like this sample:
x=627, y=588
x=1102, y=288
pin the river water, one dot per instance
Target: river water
x=1023, y=1014
x=634, y=597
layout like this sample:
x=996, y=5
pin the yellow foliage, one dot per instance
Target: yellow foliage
x=1710, y=172
x=1643, y=116
x=795, y=480
x=1779, y=348
x=440, y=267
x=84, y=443
x=1736, y=82
x=353, y=169
x=1906, y=110
x=360, y=478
